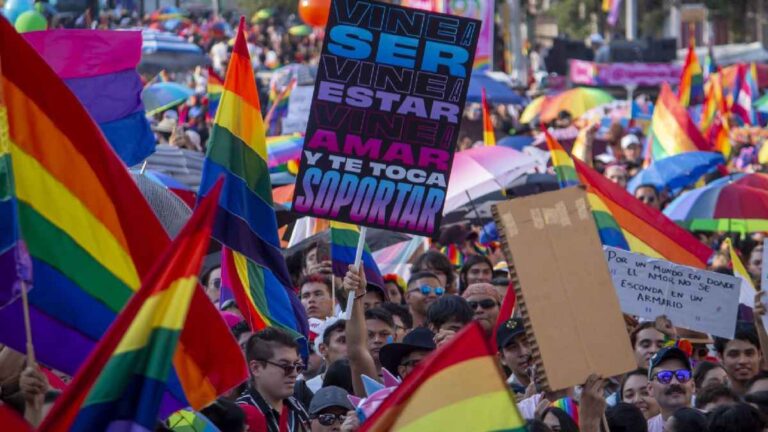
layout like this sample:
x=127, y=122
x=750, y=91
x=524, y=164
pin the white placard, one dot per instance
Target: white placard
x=692, y=298
x=299, y=103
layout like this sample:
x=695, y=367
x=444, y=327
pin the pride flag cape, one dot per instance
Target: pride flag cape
x=747, y=289
x=90, y=234
x=344, y=238
x=691, y=90
x=644, y=230
x=100, y=69
x=139, y=371
x=466, y=376
x=672, y=131
x=253, y=268
x=489, y=137
x=562, y=163
x=214, y=88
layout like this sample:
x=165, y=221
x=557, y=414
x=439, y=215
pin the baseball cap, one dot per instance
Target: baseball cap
x=419, y=339
x=507, y=331
x=328, y=397
x=629, y=140
x=668, y=353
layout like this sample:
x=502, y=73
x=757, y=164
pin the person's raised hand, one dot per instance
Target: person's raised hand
x=664, y=325
x=759, y=308
x=321, y=267
x=592, y=404
x=444, y=336
x=32, y=383
x=354, y=280
x=351, y=423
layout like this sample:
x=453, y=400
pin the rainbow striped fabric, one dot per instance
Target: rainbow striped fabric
x=745, y=92
x=672, y=131
x=214, y=89
x=100, y=69
x=482, y=401
x=129, y=381
x=454, y=254
x=562, y=163
x=489, y=137
x=714, y=117
x=344, y=238
x=627, y=223
x=253, y=268
x=570, y=407
x=90, y=234
x=747, y=290
x=278, y=104
x=691, y=90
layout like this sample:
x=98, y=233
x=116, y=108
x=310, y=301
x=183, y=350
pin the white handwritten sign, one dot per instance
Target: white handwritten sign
x=692, y=298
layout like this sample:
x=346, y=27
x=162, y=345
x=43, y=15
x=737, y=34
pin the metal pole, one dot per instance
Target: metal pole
x=516, y=42
x=631, y=18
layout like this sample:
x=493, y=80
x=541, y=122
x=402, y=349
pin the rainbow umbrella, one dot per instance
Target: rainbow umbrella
x=300, y=30
x=737, y=203
x=576, y=101
x=190, y=421
x=164, y=95
x=533, y=109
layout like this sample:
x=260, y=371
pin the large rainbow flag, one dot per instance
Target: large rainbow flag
x=253, y=268
x=691, y=90
x=91, y=236
x=672, y=131
x=489, y=136
x=100, y=69
x=344, y=238
x=129, y=381
x=561, y=162
x=471, y=388
x=644, y=229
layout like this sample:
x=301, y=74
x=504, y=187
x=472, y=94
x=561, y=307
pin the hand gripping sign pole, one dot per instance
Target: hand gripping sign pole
x=358, y=263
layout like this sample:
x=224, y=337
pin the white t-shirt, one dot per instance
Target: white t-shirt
x=315, y=383
x=656, y=424
x=527, y=407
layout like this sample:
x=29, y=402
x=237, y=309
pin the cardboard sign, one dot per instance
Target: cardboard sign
x=385, y=116
x=692, y=298
x=563, y=287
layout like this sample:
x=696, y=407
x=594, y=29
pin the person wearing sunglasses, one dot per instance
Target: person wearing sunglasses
x=670, y=381
x=484, y=300
x=274, y=365
x=330, y=410
x=424, y=288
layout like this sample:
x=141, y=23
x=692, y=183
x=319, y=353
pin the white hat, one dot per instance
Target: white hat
x=628, y=140
x=318, y=328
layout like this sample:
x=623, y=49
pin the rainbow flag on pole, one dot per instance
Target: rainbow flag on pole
x=691, y=90
x=344, y=238
x=745, y=92
x=253, y=268
x=489, y=137
x=215, y=87
x=620, y=216
x=561, y=162
x=672, y=131
x=471, y=388
x=89, y=232
x=747, y=290
x=139, y=373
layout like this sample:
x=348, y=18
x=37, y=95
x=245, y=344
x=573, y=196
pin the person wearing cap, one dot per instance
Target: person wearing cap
x=484, y=300
x=400, y=358
x=670, y=381
x=631, y=149
x=330, y=409
x=515, y=353
x=424, y=288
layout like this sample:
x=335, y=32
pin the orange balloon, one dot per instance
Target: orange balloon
x=314, y=12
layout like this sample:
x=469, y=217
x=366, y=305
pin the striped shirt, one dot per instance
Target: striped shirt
x=296, y=416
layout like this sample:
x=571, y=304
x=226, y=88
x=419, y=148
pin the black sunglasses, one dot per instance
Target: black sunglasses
x=330, y=419
x=485, y=304
x=287, y=368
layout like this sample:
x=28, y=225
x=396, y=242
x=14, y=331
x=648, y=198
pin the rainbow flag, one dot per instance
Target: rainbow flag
x=283, y=149
x=482, y=401
x=344, y=238
x=90, y=234
x=278, y=104
x=561, y=162
x=138, y=373
x=99, y=67
x=747, y=289
x=620, y=216
x=570, y=407
x=215, y=87
x=672, y=131
x=710, y=66
x=253, y=270
x=691, y=90
x=454, y=254
x=745, y=92
x=613, y=11
x=489, y=136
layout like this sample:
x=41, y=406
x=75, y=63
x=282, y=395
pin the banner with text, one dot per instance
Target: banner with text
x=386, y=112
x=692, y=298
x=620, y=74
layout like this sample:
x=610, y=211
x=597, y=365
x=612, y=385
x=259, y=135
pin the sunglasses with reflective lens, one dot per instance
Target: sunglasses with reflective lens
x=665, y=376
x=287, y=368
x=330, y=419
x=485, y=304
x=426, y=289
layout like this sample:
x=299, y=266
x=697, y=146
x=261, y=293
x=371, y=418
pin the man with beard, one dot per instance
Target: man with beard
x=515, y=353
x=741, y=356
x=670, y=381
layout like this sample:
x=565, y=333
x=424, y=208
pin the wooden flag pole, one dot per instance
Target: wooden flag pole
x=27, y=325
x=356, y=266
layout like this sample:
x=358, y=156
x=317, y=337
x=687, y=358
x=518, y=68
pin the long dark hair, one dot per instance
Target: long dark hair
x=566, y=422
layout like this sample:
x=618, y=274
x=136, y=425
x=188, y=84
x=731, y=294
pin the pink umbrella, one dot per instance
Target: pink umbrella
x=483, y=170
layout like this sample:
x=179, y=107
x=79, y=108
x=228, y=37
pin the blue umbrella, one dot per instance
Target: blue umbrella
x=165, y=95
x=517, y=142
x=678, y=171
x=497, y=91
